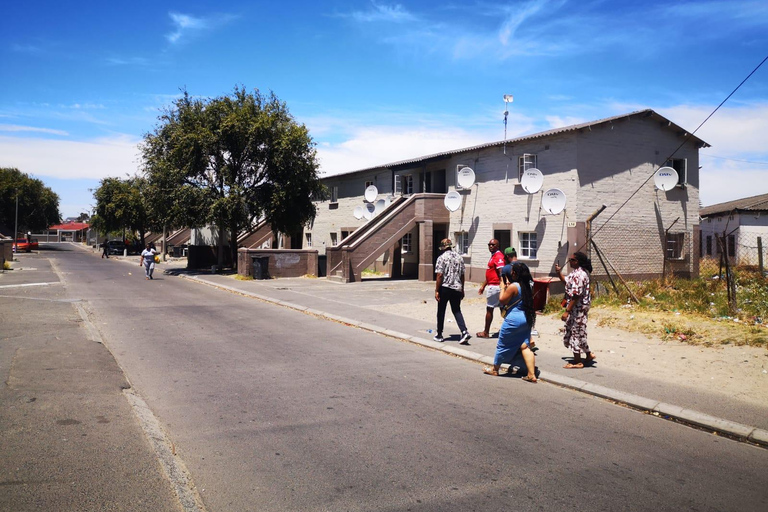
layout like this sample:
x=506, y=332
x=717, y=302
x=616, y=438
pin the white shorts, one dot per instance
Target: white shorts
x=492, y=293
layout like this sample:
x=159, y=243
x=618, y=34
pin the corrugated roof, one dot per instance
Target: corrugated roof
x=548, y=133
x=754, y=203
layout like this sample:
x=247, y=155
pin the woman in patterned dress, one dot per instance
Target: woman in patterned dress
x=577, y=301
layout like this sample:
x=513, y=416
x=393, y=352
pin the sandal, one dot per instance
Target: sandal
x=482, y=335
x=488, y=370
x=534, y=380
x=571, y=365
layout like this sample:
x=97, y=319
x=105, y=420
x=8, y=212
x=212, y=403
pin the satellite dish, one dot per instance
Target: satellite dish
x=532, y=180
x=379, y=206
x=553, y=201
x=665, y=178
x=358, y=212
x=368, y=211
x=452, y=200
x=466, y=177
x=370, y=193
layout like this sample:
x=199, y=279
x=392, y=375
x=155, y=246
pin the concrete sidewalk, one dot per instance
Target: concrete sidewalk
x=405, y=310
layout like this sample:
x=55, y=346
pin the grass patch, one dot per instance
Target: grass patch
x=240, y=277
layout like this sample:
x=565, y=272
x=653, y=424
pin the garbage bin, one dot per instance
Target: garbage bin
x=540, y=293
x=260, y=267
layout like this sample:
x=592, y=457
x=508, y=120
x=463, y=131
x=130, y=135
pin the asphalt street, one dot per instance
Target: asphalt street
x=273, y=409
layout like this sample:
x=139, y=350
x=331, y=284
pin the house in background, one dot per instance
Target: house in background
x=641, y=230
x=743, y=223
x=70, y=231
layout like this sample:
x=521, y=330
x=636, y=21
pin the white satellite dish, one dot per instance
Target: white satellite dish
x=370, y=193
x=665, y=178
x=379, y=206
x=368, y=212
x=532, y=180
x=452, y=200
x=466, y=177
x=553, y=201
x=358, y=212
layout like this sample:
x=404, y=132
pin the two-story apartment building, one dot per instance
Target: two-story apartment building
x=607, y=162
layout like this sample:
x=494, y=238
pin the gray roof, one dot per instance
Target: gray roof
x=548, y=133
x=754, y=204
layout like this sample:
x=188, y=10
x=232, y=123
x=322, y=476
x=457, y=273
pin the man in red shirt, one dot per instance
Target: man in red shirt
x=491, y=285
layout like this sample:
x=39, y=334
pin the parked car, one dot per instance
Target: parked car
x=25, y=245
x=115, y=247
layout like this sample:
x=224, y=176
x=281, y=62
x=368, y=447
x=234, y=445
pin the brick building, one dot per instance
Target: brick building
x=610, y=162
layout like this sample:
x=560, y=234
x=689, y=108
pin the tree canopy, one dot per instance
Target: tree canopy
x=38, y=204
x=120, y=204
x=231, y=161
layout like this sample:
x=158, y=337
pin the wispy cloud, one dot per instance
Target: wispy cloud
x=394, y=13
x=187, y=26
x=751, y=12
x=130, y=61
x=20, y=128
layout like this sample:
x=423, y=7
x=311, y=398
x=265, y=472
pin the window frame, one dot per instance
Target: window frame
x=406, y=243
x=462, y=242
x=526, y=161
x=524, y=239
x=308, y=238
x=681, y=166
x=334, y=238
x=334, y=194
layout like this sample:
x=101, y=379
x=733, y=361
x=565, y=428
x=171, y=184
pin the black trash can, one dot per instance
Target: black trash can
x=260, y=267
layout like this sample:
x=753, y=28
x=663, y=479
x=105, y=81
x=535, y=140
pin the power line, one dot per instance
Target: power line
x=735, y=159
x=680, y=146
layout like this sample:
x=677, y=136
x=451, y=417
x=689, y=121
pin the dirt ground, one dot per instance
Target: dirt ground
x=738, y=371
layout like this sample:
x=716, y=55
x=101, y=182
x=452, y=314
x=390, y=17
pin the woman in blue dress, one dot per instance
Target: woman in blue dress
x=515, y=334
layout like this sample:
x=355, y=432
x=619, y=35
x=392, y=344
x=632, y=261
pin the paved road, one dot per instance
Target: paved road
x=273, y=409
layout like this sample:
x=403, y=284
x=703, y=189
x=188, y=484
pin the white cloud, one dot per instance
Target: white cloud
x=383, y=13
x=19, y=128
x=186, y=25
x=96, y=159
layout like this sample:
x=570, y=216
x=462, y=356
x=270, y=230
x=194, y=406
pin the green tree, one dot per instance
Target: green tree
x=38, y=204
x=120, y=205
x=232, y=160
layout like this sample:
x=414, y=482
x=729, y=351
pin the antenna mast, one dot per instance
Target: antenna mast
x=507, y=100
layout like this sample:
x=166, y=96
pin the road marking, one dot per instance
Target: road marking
x=27, y=284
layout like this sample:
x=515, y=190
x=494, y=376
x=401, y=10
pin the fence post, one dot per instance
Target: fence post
x=760, y=255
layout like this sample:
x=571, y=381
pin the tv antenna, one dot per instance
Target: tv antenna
x=507, y=100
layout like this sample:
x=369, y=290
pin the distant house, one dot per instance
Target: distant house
x=70, y=231
x=597, y=163
x=741, y=223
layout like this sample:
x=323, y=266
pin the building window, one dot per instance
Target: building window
x=406, y=243
x=335, y=194
x=524, y=162
x=462, y=242
x=368, y=184
x=334, y=239
x=709, y=245
x=731, y=246
x=309, y=239
x=408, y=184
x=681, y=166
x=675, y=243
x=529, y=245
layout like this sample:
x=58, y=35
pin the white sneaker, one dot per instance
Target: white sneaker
x=465, y=338
x=438, y=338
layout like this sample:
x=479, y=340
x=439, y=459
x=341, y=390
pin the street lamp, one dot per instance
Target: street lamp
x=16, y=226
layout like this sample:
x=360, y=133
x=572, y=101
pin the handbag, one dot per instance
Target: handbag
x=506, y=308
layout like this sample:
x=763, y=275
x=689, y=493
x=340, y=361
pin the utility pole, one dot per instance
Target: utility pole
x=16, y=225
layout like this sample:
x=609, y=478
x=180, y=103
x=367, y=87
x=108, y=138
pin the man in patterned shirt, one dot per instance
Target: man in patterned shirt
x=449, y=287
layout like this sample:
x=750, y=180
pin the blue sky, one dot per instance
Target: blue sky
x=377, y=82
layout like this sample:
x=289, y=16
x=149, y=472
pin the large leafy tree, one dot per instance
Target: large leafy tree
x=38, y=204
x=230, y=161
x=120, y=204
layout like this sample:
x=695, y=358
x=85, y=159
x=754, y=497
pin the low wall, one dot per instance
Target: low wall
x=6, y=252
x=282, y=262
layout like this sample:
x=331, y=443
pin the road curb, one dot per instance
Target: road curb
x=720, y=426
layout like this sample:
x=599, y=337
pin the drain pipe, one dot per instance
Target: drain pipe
x=589, y=229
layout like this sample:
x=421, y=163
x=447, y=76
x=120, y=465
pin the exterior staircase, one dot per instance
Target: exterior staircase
x=365, y=245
